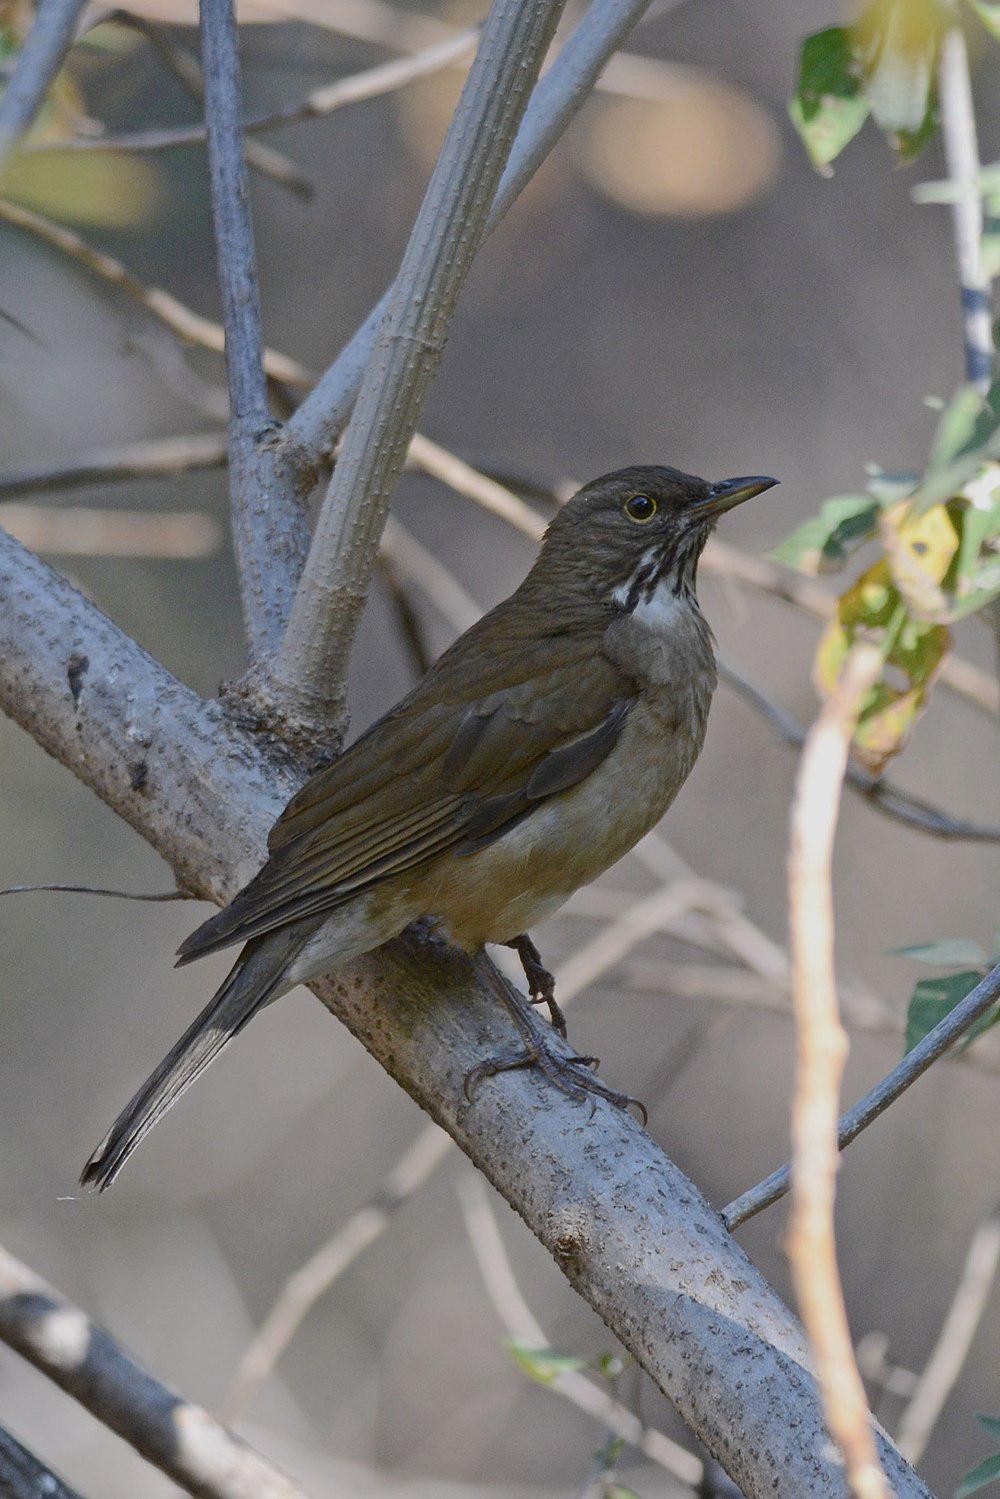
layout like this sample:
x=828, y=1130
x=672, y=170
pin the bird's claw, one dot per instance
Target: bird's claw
x=572, y=1075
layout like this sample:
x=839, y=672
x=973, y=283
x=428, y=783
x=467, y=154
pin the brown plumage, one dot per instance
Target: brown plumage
x=534, y=754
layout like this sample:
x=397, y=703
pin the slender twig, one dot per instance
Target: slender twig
x=157, y=895
x=311, y=665
x=267, y=531
x=81, y=531
x=523, y=1328
x=312, y=432
x=954, y=1340
x=319, y=102
x=179, y=1438
x=958, y=130
x=187, y=70
x=916, y=1062
x=155, y=457
x=304, y=1288
x=42, y=55
x=174, y=314
x=822, y=1051
x=407, y=617
x=880, y=793
x=24, y=1476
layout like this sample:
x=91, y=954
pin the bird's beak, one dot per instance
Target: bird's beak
x=729, y=493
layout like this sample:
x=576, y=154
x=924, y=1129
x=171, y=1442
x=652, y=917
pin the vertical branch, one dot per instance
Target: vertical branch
x=40, y=59
x=446, y=235
x=267, y=531
x=961, y=149
x=313, y=431
x=822, y=1049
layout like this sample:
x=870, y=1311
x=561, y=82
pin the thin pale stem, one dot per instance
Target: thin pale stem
x=961, y=149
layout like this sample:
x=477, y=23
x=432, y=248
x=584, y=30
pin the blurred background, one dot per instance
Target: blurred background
x=678, y=285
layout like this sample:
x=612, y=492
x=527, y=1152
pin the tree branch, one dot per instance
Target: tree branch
x=310, y=435
x=630, y=1232
x=821, y=1053
x=961, y=149
x=267, y=531
x=914, y=1065
x=40, y=59
x=154, y=457
x=311, y=665
x=179, y=1438
x=23, y=1476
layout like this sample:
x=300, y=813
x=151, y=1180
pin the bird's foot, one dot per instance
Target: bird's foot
x=541, y=983
x=572, y=1075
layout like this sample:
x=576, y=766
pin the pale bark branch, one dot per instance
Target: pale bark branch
x=631, y=1233
x=82, y=531
x=311, y=665
x=954, y=1341
x=41, y=57
x=961, y=150
x=176, y=1436
x=267, y=528
x=24, y=1476
x=311, y=433
x=821, y=1053
x=916, y=1062
x=155, y=457
x=523, y=1328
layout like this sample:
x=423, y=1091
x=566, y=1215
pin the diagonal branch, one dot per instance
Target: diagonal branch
x=179, y=1438
x=312, y=662
x=40, y=59
x=267, y=531
x=629, y=1231
x=23, y=1476
x=311, y=434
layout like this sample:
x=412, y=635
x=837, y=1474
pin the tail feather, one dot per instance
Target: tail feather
x=252, y=981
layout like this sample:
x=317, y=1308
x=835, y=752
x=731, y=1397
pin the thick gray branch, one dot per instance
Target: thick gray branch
x=41, y=57
x=312, y=662
x=631, y=1233
x=268, y=529
x=181, y=1439
x=310, y=435
x=23, y=1476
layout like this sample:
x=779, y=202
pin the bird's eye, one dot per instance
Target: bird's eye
x=639, y=507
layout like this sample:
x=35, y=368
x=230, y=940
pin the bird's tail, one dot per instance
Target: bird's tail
x=254, y=979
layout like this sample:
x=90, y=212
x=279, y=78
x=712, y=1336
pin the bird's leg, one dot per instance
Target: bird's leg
x=572, y=1075
x=541, y=983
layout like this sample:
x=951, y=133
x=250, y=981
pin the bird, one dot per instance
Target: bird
x=535, y=752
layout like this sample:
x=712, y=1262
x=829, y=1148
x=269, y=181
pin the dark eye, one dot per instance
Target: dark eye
x=640, y=508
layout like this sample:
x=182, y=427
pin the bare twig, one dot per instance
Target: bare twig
x=156, y=457
x=187, y=70
x=523, y=1328
x=181, y=535
x=880, y=793
x=916, y=1062
x=312, y=432
x=174, y=314
x=954, y=1340
x=321, y=101
x=179, y=1438
x=304, y=1288
x=267, y=533
x=961, y=149
x=23, y=1476
x=41, y=57
x=312, y=662
x=822, y=1050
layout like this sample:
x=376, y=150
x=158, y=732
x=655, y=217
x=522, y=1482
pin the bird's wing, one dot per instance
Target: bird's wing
x=469, y=753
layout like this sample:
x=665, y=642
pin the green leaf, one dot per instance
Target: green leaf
x=825, y=541
x=988, y=12
x=951, y=952
x=965, y=423
x=619, y=1491
x=910, y=143
x=935, y=998
x=542, y=1364
x=829, y=108
x=990, y=1424
x=988, y=1471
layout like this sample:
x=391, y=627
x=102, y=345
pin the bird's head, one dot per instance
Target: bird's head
x=626, y=534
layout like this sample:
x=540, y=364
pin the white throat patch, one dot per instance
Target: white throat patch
x=660, y=612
